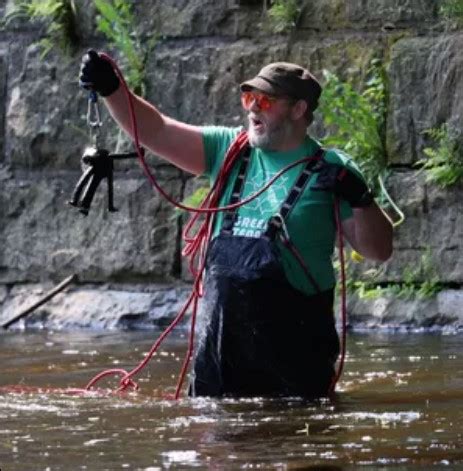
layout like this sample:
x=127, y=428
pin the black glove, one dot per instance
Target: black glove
x=345, y=184
x=97, y=74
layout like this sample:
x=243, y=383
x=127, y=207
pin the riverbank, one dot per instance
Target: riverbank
x=141, y=306
x=95, y=307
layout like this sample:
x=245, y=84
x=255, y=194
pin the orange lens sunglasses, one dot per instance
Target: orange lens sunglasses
x=263, y=102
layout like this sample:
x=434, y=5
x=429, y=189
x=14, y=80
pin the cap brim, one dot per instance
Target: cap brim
x=260, y=84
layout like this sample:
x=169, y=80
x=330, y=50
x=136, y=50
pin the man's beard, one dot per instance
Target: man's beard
x=272, y=137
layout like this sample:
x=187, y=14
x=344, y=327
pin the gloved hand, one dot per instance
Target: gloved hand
x=97, y=74
x=345, y=184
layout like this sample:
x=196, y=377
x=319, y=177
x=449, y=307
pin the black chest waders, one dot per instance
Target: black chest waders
x=260, y=336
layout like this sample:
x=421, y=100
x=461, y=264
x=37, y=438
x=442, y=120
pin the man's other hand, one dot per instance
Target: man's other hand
x=345, y=184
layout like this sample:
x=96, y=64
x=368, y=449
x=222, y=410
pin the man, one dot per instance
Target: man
x=268, y=307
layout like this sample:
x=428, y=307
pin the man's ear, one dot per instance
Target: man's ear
x=299, y=109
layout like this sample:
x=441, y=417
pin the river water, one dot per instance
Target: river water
x=399, y=406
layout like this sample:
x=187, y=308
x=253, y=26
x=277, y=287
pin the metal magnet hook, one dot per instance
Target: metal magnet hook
x=93, y=116
x=93, y=111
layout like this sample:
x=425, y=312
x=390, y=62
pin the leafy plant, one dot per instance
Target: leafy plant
x=196, y=198
x=452, y=12
x=116, y=22
x=355, y=121
x=366, y=288
x=283, y=15
x=444, y=163
x=366, y=291
x=59, y=17
x=419, y=281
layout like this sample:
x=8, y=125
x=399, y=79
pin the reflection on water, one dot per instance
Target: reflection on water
x=399, y=406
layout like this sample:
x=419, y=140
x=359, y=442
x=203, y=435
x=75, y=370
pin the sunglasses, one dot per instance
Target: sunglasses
x=262, y=101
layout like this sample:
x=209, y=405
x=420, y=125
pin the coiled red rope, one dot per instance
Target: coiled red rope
x=195, y=249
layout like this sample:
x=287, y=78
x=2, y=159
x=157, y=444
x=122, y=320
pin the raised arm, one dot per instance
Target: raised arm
x=179, y=143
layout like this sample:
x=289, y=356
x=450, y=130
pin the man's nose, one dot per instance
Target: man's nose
x=254, y=106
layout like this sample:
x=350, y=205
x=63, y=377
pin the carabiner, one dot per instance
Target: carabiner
x=93, y=111
x=94, y=118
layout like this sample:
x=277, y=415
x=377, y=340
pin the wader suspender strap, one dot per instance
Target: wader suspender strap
x=278, y=222
x=229, y=217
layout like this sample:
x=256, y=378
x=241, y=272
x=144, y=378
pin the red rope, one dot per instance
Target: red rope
x=195, y=245
x=240, y=142
x=287, y=243
x=338, y=374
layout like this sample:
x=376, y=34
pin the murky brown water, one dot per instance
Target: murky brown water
x=400, y=406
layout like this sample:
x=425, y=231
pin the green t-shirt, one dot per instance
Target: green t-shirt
x=311, y=223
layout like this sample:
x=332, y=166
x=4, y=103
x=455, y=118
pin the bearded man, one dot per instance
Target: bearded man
x=267, y=312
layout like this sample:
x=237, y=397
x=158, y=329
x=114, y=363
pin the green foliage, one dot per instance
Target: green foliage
x=116, y=22
x=195, y=199
x=282, y=15
x=367, y=288
x=444, y=163
x=59, y=17
x=366, y=291
x=419, y=281
x=452, y=12
x=355, y=121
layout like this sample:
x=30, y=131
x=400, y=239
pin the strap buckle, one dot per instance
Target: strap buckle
x=279, y=224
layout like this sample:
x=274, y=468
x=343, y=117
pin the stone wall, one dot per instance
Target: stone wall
x=204, y=50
